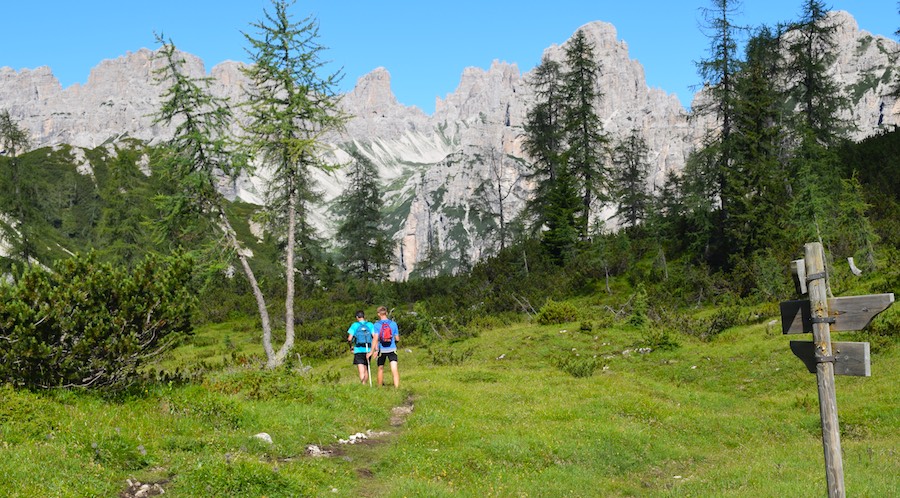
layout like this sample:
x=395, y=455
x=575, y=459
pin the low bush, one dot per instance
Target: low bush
x=576, y=365
x=555, y=312
x=89, y=324
x=447, y=356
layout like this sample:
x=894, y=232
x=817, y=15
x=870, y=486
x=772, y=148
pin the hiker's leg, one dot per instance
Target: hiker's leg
x=380, y=375
x=395, y=372
x=362, y=373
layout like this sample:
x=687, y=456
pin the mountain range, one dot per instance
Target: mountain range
x=440, y=172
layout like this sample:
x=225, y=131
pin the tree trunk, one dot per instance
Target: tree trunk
x=226, y=228
x=278, y=359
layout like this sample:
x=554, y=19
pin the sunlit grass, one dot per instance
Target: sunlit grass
x=735, y=416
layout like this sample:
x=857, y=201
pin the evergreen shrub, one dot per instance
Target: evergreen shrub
x=89, y=324
x=575, y=365
x=556, y=312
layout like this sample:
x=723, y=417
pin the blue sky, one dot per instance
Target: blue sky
x=425, y=45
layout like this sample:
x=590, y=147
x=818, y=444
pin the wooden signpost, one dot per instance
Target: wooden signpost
x=826, y=359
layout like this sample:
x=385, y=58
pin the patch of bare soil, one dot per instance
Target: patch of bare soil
x=400, y=413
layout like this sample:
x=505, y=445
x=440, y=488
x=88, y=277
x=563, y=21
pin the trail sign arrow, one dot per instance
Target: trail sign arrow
x=848, y=313
x=850, y=358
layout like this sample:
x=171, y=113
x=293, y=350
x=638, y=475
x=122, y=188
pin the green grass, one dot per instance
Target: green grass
x=734, y=416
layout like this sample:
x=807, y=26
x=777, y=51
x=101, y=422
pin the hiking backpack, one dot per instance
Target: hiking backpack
x=363, y=336
x=387, y=334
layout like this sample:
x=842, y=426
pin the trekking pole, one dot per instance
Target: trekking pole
x=369, y=363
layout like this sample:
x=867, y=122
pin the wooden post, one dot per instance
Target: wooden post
x=818, y=301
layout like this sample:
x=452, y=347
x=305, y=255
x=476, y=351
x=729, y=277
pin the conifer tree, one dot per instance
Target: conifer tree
x=121, y=234
x=630, y=179
x=719, y=74
x=811, y=50
x=700, y=230
x=758, y=191
x=364, y=243
x=562, y=205
x=543, y=140
x=197, y=153
x=14, y=141
x=586, y=142
x=854, y=234
x=289, y=106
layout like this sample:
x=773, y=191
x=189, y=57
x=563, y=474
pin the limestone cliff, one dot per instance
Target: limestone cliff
x=442, y=171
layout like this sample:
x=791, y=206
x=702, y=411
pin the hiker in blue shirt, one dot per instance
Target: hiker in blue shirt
x=361, y=337
x=388, y=334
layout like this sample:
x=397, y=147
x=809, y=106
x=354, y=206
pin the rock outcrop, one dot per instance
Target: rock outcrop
x=440, y=170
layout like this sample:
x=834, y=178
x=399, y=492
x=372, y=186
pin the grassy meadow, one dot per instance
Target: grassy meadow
x=518, y=410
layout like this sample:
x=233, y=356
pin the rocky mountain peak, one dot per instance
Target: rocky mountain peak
x=436, y=168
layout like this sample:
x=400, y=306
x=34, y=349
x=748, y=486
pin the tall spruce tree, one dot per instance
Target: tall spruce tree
x=586, y=142
x=630, y=168
x=365, y=246
x=289, y=106
x=719, y=72
x=758, y=190
x=811, y=50
x=544, y=136
x=561, y=236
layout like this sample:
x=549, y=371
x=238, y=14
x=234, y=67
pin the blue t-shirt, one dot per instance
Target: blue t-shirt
x=394, y=333
x=352, y=332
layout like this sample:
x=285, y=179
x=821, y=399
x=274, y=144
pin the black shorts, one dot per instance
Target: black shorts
x=360, y=359
x=392, y=356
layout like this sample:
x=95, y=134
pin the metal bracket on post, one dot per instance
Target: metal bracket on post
x=815, y=276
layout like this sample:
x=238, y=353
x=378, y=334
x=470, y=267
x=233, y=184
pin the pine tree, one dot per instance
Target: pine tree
x=365, y=246
x=289, y=106
x=586, y=142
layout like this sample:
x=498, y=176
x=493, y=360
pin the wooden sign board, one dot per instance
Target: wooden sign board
x=849, y=313
x=798, y=268
x=850, y=358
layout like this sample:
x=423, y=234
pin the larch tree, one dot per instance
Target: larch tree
x=491, y=196
x=365, y=246
x=585, y=141
x=289, y=107
x=194, y=158
x=817, y=127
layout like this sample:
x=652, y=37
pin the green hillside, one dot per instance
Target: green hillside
x=494, y=415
